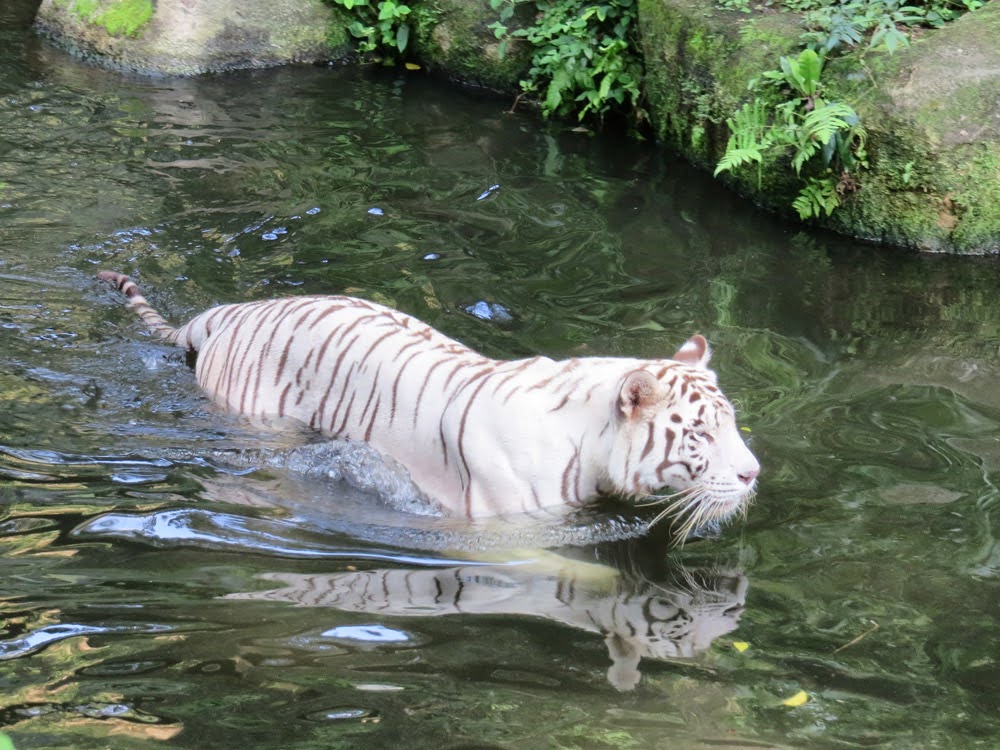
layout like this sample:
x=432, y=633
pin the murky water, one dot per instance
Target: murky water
x=160, y=588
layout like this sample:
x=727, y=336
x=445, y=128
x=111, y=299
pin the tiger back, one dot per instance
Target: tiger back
x=478, y=436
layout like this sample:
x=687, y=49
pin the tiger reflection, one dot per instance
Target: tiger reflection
x=637, y=617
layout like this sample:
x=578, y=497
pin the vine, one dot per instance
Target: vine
x=584, y=60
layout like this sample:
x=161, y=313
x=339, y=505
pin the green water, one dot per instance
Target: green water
x=155, y=595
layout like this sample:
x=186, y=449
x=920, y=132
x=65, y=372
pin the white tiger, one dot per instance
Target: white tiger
x=479, y=436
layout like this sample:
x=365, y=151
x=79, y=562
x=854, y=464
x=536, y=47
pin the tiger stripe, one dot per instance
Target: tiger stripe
x=479, y=436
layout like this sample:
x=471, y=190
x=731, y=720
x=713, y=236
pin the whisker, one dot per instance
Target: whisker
x=692, y=508
x=679, y=504
x=657, y=499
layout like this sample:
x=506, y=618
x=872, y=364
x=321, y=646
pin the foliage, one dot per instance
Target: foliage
x=584, y=60
x=381, y=28
x=849, y=23
x=806, y=125
x=864, y=24
x=805, y=122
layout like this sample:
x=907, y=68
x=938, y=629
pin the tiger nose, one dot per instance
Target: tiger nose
x=748, y=476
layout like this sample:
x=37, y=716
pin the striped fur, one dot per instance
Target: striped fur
x=480, y=436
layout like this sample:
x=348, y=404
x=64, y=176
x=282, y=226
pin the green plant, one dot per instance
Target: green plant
x=741, y=6
x=583, y=61
x=381, y=28
x=849, y=23
x=804, y=122
x=805, y=125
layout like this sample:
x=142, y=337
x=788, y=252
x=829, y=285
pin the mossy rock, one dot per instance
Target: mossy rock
x=195, y=36
x=932, y=112
x=453, y=39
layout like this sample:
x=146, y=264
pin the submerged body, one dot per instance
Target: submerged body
x=479, y=436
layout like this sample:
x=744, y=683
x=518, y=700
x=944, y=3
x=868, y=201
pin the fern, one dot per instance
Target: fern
x=817, y=195
x=750, y=137
x=806, y=125
x=819, y=129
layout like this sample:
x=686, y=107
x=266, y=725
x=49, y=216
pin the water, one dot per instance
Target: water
x=167, y=582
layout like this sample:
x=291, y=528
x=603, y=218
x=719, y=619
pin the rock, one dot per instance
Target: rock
x=188, y=37
x=455, y=41
x=934, y=124
x=932, y=112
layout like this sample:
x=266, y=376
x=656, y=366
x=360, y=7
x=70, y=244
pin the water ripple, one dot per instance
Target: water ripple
x=36, y=640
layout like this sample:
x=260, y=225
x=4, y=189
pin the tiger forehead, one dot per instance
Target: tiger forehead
x=694, y=392
x=686, y=380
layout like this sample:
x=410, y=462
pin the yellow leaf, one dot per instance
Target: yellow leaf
x=741, y=646
x=796, y=700
x=411, y=66
x=744, y=429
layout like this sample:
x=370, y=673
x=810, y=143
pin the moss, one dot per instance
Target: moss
x=455, y=39
x=126, y=17
x=117, y=17
x=337, y=35
x=933, y=145
x=976, y=200
x=698, y=64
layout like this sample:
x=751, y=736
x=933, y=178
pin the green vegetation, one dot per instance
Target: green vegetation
x=382, y=28
x=805, y=124
x=119, y=17
x=794, y=115
x=584, y=62
x=863, y=25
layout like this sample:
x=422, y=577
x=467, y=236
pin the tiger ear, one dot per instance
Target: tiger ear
x=694, y=352
x=639, y=391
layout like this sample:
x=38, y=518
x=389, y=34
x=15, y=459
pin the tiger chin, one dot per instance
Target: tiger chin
x=479, y=436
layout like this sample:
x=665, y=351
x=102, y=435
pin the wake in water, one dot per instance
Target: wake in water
x=330, y=497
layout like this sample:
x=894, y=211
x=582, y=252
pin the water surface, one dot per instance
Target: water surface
x=160, y=588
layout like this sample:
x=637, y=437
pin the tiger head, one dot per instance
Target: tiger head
x=677, y=430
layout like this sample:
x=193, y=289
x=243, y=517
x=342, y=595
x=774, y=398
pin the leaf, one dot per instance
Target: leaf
x=554, y=93
x=817, y=196
x=402, y=37
x=737, y=157
x=359, y=30
x=790, y=69
x=741, y=646
x=411, y=66
x=810, y=66
x=6, y=743
x=796, y=700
